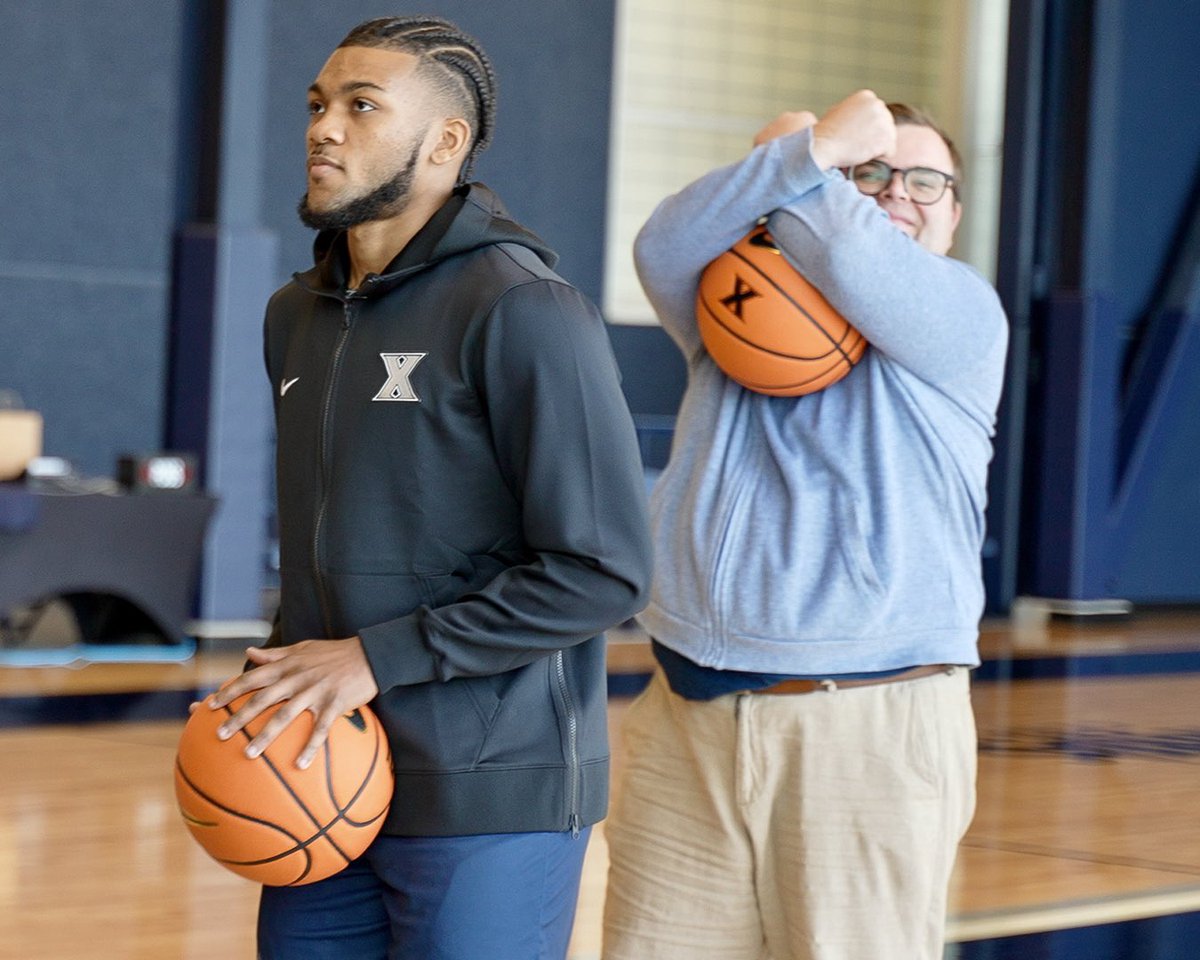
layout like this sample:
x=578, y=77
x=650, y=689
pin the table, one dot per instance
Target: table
x=124, y=563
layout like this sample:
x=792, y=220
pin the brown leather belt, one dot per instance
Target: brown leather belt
x=812, y=686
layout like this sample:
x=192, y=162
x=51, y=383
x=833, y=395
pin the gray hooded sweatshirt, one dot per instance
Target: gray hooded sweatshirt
x=840, y=531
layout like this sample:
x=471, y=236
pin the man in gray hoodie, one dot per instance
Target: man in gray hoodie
x=802, y=766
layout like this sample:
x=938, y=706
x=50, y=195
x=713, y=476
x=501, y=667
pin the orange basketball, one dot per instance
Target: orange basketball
x=270, y=821
x=767, y=327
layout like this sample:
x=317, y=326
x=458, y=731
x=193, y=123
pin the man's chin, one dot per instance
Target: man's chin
x=327, y=216
x=309, y=215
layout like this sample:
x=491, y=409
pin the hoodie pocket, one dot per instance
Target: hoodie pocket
x=462, y=724
x=438, y=726
x=798, y=568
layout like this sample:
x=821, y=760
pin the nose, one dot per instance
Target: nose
x=895, y=187
x=325, y=128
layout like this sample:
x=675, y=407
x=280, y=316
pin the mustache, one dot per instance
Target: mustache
x=321, y=156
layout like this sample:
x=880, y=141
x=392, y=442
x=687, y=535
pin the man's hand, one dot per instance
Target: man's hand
x=793, y=121
x=328, y=678
x=852, y=131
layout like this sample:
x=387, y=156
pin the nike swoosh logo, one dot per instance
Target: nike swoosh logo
x=287, y=385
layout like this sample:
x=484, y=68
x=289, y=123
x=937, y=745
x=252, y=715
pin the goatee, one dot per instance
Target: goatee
x=386, y=200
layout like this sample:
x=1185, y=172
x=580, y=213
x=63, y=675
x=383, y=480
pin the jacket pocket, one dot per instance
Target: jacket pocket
x=525, y=730
x=462, y=724
x=799, y=573
x=438, y=726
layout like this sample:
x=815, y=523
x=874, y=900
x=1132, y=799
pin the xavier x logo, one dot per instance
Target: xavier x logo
x=742, y=291
x=400, y=367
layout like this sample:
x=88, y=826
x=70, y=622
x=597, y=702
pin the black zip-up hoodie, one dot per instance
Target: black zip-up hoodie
x=459, y=485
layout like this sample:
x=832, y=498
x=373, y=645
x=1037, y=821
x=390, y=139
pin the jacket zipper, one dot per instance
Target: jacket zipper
x=560, y=672
x=325, y=457
x=719, y=574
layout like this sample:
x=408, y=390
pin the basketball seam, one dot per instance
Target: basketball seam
x=775, y=353
x=322, y=831
x=739, y=337
x=793, y=302
x=342, y=811
x=754, y=385
x=301, y=846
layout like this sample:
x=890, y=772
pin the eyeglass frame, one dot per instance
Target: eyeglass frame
x=951, y=181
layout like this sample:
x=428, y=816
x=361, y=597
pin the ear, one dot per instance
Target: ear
x=452, y=142
x=957, y=214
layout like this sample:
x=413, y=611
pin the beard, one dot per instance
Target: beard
x=386, y=200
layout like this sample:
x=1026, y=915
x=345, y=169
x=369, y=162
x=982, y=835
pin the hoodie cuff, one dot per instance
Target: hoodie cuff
x=397, y=654
x=804, y=168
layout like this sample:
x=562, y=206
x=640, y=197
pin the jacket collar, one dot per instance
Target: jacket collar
x=472, y=218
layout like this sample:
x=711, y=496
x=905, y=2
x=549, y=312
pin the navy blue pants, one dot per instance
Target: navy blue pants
x=501, y=896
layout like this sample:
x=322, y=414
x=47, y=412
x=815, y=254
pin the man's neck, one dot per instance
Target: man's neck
x=372, y=246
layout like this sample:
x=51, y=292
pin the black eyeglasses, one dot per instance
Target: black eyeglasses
x=924, y=185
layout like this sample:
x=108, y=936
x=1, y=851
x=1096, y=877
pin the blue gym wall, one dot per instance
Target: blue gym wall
x=1145, y=246
x=88, y=108
x=1103, y=140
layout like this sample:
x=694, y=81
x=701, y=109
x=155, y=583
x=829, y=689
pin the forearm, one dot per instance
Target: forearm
x=689, y=229
x=935, y=315
x=525, y=614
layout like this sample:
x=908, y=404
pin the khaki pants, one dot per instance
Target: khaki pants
x=819, y=826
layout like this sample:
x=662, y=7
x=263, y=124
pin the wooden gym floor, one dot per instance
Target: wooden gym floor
x=1089, y=768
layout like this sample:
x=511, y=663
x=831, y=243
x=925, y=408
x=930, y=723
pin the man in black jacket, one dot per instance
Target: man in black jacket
x=461, y=512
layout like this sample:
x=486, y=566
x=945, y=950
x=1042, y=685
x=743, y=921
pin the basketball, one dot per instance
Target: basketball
x=767, y=327
x=270, y=821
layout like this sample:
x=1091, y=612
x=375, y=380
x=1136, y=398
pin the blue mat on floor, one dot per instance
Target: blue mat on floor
x=84, y=653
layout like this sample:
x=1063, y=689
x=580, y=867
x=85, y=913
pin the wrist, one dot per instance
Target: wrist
x=822, y=152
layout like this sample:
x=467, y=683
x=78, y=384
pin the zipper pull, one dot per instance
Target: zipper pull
x=576, y=826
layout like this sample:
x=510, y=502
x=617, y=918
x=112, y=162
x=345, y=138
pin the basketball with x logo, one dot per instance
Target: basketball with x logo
x=767, y=327
x=266, y=819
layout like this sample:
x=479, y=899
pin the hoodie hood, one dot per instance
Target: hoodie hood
x=473, y=217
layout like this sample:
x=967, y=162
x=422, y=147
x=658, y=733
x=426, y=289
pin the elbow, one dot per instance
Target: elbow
x=643, y=259
x=628, y=587
x=651, y=248
x=632, y=601
x=639, y=597
x=638, y=585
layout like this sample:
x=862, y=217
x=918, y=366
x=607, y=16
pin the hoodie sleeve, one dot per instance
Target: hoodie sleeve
x=565, y=444
x=934, y=315
x=689, y=229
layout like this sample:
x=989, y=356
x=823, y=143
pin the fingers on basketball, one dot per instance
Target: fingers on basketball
x=269, y=821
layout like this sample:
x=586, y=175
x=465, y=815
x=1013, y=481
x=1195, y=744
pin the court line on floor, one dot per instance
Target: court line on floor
x=1058, y=853
x=1117, y=908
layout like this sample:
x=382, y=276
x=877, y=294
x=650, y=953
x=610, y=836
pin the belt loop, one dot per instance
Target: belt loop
x=829, y=686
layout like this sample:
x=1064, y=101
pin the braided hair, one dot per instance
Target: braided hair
x=451, y=60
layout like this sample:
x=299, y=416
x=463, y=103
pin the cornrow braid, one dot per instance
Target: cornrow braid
x=452, y=60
